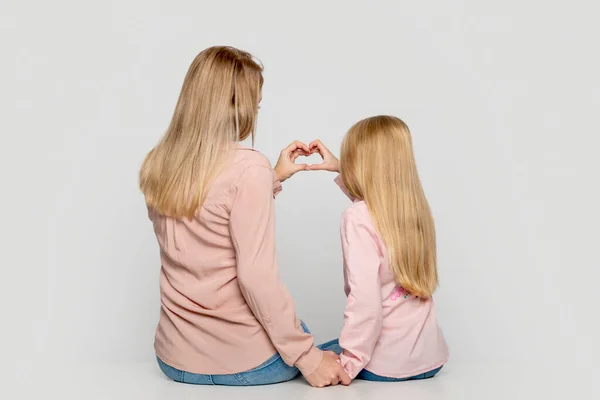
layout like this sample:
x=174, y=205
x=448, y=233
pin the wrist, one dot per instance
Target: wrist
x=309, y=362
x=279, y=174
x=336, y=165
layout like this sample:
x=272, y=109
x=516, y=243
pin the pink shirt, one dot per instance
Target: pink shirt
x=387, y=331
x=224, y=309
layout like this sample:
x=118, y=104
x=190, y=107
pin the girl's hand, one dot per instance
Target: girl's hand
x=285, y=166
x=330, y=162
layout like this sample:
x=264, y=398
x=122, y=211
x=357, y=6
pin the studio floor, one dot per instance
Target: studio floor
x=456, y=381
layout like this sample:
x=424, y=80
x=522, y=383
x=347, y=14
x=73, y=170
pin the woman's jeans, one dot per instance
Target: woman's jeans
x=334, y=346
x=274, y=370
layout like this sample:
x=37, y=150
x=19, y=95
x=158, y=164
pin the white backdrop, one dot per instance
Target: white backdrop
x=502, y=101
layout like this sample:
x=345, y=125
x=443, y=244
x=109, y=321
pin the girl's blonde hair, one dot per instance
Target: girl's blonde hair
x=378, y=166
x=218, y=106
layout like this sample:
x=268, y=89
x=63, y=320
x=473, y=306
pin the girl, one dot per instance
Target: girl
x=226, y=318
x=390, y=330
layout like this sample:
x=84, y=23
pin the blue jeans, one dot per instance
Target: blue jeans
x=274, y=370
x=334, y=346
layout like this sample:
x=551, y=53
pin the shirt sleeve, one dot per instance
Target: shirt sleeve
x=363, y=314
x=276, y=185
x=338, y=180
x=252, y=227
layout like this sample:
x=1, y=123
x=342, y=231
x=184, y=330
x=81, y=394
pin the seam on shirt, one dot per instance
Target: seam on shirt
x=236, y=247
x=246, y=169
x=233, y=188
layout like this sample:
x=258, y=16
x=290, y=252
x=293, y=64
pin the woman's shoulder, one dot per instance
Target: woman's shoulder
x=241, y=168
x=252, y=168
x=246, y=163
x=247, y=158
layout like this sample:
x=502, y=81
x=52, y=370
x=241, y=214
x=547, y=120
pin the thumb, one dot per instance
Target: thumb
x=344, y=378
x=300, y=167
x=317, y=167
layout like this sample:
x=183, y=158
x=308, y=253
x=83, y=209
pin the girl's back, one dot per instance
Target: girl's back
x=387, y=331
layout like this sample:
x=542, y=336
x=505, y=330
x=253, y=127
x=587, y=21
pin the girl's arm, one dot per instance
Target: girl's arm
x=340, y=183
x=363, y=314
x=330, y=162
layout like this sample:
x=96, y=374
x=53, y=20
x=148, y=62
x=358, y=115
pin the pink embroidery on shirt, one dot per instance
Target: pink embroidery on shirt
x=398, y=291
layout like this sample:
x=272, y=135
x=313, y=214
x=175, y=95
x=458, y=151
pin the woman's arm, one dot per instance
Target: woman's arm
x=252, y=227
x=276, y=184
x=363, y=314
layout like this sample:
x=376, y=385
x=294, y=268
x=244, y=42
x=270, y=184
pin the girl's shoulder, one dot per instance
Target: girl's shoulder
x=357, y=218
x=356, y=210
x=358, y=213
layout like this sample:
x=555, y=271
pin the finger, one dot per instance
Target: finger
x=315, y=143
x=344, y=378
x=334, y=355
x=303, y=146
x=297, y=153
x=316, y=147
x=296, y=144
x=317, y=167
x=300, y=167
x=335, y=381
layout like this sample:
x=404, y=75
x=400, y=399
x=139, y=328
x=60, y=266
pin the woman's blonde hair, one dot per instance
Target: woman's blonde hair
x=218, y=106
x=378, y=166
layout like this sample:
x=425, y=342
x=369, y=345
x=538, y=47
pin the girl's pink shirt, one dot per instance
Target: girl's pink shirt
x=224, y=308
x=386, y=330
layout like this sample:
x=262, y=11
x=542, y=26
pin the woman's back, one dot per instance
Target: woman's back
x=206, y=325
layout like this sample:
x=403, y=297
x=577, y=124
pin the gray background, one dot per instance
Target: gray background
x=502, y=99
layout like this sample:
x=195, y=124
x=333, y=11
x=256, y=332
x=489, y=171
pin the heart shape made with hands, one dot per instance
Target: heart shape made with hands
x=329, y=161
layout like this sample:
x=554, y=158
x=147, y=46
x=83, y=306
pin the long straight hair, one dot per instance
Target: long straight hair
x=378, y=166
x=218, y=106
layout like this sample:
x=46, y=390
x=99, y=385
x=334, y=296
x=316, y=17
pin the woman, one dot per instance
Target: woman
x=226, y=317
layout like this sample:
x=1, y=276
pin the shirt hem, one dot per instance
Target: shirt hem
x=413, y=373
x=171, y=363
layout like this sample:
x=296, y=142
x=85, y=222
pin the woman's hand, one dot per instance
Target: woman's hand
x=330, y=162
x=285, y=166
x=329, y=372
